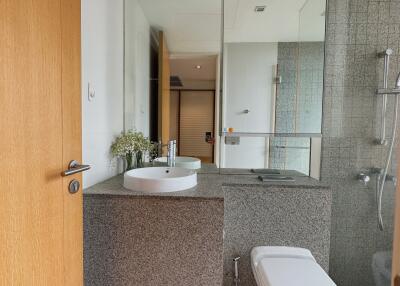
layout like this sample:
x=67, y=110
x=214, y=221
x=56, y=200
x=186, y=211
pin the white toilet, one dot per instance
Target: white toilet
x=287, y=266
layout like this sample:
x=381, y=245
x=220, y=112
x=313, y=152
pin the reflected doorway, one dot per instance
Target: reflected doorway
x=192, y=123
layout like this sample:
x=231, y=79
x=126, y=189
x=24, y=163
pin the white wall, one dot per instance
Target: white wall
x=102, y=67
x=137, y=68
x=248, y=84
x=251, y=153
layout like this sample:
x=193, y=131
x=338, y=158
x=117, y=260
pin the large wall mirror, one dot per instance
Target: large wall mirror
x=238, y=83
x=172, y=51
x=273, y=64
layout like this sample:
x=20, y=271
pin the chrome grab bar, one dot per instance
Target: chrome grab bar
x=74, y=167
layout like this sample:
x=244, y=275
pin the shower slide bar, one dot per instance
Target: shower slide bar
x=386, y=58
x=384, y=92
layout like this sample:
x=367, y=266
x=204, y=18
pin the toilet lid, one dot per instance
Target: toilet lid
x=284, y=266
x=291, y=271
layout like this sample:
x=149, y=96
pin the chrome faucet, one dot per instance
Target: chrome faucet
x=171, y=155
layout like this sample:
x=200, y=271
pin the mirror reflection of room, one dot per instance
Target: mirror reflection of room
x=273, y=84
x=172, y=53
x=273, y=66
x=179, y=143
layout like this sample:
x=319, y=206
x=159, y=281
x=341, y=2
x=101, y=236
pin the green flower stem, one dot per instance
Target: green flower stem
x=129, y=161
x=139, y=159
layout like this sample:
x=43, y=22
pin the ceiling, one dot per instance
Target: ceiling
x=282, y=21
x=190, y=26
x=193, y=26
x=185, y=69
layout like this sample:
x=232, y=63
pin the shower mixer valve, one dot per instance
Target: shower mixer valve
x=364, y=178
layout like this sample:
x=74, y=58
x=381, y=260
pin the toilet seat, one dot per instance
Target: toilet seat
x=287, y=266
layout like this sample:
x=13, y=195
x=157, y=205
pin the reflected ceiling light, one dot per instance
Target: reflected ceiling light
x=260, y=8
x=198, y=67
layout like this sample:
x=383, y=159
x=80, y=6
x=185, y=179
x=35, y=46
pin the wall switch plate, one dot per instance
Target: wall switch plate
x=232, y=140
x=91, y=92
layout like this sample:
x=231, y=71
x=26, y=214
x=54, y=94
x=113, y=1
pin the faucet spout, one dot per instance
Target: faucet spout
x=171, y=153
x=171, y=149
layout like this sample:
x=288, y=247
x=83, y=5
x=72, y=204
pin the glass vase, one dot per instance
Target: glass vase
x=139, y=159
x=129, y=161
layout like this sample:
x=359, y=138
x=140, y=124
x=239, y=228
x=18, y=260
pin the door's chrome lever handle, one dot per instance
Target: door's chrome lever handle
x=74, y=167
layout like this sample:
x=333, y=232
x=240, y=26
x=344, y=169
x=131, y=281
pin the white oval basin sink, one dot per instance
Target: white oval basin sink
x=160, y=179
x=183, y=162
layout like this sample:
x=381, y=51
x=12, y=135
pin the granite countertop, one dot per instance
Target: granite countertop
x=210, y=184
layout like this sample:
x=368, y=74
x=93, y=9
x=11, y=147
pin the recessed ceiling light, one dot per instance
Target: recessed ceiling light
x=260, y=8
x=198, y=67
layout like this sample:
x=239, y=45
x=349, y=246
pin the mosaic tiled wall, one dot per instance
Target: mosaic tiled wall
x=356, y=31
x=299, y=95
x=287, y=90
x=298, y=103
x=309, y=101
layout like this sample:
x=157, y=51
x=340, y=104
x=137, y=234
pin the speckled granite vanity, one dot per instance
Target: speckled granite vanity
x=190, y=237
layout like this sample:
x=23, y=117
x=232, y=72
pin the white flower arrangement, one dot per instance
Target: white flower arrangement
x=130, y=144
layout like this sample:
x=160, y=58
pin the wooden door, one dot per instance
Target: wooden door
x=40, y=127
x=396, y=239
x=163, y=91
x=174, y=115
x=196, y=119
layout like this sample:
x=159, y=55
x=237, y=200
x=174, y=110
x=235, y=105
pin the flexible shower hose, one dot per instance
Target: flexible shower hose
x=380, y=182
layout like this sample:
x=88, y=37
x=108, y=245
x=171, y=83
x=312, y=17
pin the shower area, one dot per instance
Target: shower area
x=359, y=115
x=298, y=104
